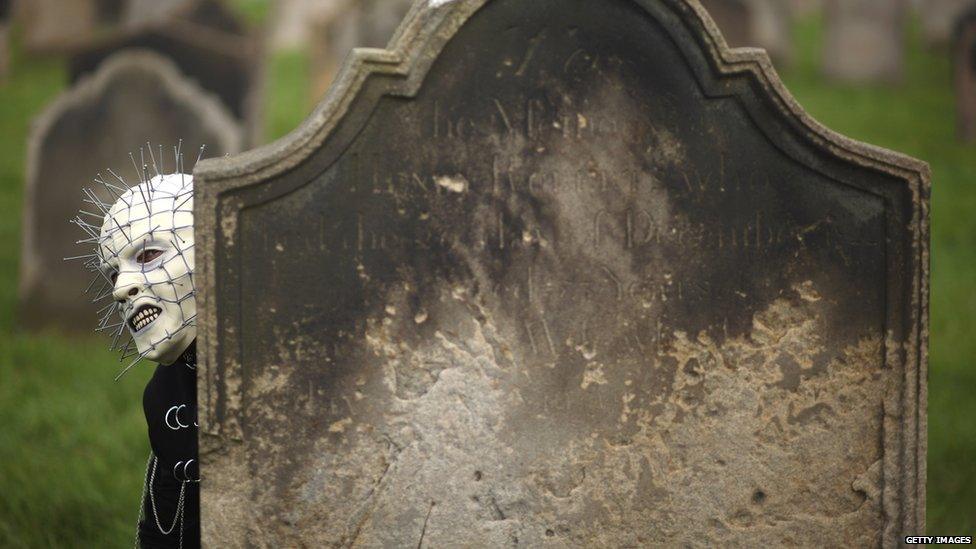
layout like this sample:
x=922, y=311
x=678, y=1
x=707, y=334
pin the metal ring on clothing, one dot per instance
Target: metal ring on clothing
x=166, y=419
x=176, y=466
x=186, y=475
x=178, y=422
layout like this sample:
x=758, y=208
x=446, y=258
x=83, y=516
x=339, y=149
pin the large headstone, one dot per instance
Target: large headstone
x=350, y=24
x=566, y=273
x=207, y=42
x=964, y=57
x=135, y=97
x=864, y=40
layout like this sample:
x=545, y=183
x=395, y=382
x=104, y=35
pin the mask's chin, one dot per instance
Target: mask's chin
x=167, y=349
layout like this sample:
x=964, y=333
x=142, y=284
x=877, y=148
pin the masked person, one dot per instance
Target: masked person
x=145, y=255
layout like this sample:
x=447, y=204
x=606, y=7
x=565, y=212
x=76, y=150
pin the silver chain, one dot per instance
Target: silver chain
x=177, y=518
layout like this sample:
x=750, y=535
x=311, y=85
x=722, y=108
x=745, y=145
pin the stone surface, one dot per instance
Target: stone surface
x=964, y=59
x=564, y=273
x=864, y=40
x=135, y=97
x=207, y=42
x=350, y=24
x=939, y=18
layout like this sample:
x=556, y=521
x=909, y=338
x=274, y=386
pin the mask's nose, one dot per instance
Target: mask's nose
x=126, y=287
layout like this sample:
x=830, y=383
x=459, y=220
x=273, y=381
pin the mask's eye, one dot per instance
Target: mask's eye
x=147, y=256
x=114, y=276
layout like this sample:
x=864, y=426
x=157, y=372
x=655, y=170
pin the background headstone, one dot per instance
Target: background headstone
x=134, y=97
x=139, y=12
x=351, y=24
x=864, y=40
x=964, y=58
x=755, y=23
x=208, y=43
x=293, y=20
x=555, y=272
x=939, y=17
x=772, y=26
x=56, y=25
x=5, y=15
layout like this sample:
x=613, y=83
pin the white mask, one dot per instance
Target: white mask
x=146, y=251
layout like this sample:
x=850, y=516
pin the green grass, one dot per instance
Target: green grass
x=73, y=444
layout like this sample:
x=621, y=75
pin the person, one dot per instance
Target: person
x=144, y=255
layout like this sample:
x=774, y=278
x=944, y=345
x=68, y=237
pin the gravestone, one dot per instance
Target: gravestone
x=564, y=273
x=5, y=14
x=755, y=23
x=938, y=18
x=55, y=25
x=350, y=24
x=134, y=97
x=293, y=20
x=964, y=58
x=864, y=40
x=772, y=26
x=207, y=42
x=138, y=12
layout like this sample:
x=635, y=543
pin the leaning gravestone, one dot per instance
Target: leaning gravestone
x=135, y=97
x=207, y=42
x=964, y=54
x=864, y=40
x=566, y=273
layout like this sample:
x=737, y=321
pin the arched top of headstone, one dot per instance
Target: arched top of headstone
x=157, y=68
x=432, y=23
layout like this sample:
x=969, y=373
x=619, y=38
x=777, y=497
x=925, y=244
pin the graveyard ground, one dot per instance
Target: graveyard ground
x=73, y=444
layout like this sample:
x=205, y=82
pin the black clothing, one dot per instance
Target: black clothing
x=170, y=405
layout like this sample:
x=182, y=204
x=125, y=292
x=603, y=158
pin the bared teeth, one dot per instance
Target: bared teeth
x=145, y=317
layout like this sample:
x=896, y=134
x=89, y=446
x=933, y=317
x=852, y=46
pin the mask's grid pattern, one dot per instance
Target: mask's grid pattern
x=164, y=203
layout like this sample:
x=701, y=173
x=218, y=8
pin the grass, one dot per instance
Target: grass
x=73, y=444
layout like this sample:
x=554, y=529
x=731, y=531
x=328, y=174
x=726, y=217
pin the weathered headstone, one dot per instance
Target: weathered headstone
x=207, y=42
x=135, y=97
x=567, y=273
x=350, y=24
x=938, y=18
x=864, y=40
x=964, y=54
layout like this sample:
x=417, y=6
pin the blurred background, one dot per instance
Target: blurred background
x=83, y=82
